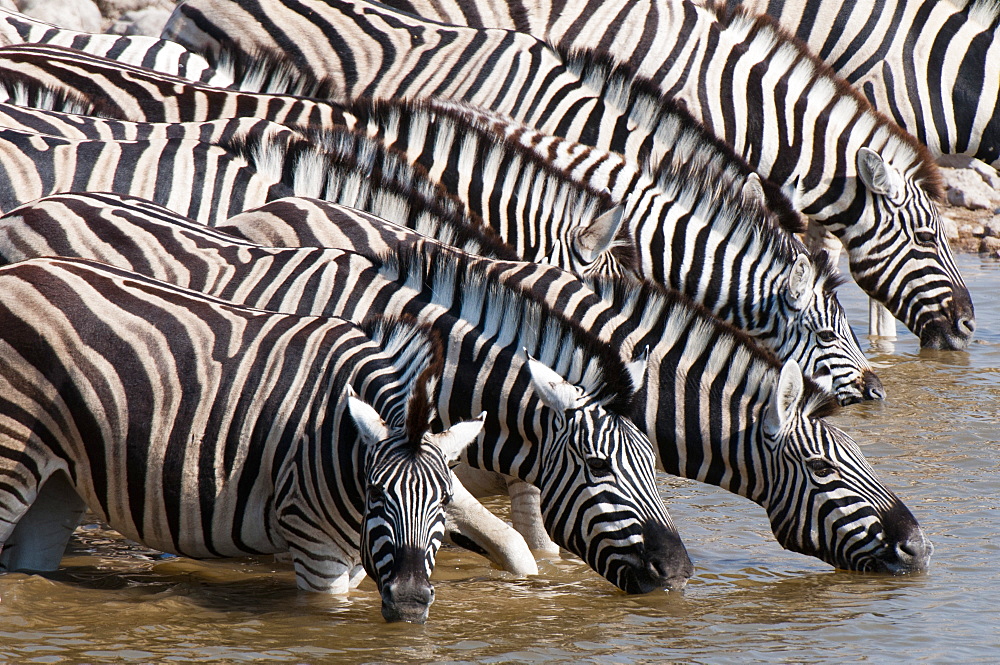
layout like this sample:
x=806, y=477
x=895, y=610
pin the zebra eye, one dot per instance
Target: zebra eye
x=445, y=500
x=925, y=237
x=599, y=466
x=827, y=336
x=375, y=493
x=820, y=467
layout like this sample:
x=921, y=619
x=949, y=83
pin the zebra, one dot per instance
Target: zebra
x=248, y=455
x=930, y=66
x=727, y=447
x=544, y=437
x=156, y=54
x=809, y=325
x=869, y=183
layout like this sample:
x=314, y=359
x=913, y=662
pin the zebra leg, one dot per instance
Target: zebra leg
x=38, y=539
x=470, y=525
x=526, y=514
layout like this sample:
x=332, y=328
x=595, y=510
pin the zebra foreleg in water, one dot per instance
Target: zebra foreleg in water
x=252, y=455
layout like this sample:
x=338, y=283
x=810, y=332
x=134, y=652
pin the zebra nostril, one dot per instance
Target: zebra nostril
x=873, y=388
x=965, y=326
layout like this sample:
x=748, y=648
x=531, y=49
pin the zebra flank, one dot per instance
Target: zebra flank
x=189, y=453
x=874, y=193
x=573, y=391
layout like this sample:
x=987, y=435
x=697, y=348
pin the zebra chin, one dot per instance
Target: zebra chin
x=662, y=563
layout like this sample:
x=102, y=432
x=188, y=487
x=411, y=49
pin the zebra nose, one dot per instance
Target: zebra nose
x=872, y=386
x=965, y=326
x=915, y=553
x=667, y=562
x=407, y=601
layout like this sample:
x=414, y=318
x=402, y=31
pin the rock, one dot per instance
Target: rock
x=970, y=188
x=149, y=22
x=950, y=227
x=989, y=246
x=991, y=227
x=82, y=15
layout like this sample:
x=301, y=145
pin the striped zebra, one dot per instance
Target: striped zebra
x=729, y=446
x=252, y=454
x=846, y=167
x=930, y=66
x=157, y=54
x=801, y=320
x=566, y=438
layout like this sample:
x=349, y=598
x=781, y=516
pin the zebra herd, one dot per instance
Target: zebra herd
x=301, y=278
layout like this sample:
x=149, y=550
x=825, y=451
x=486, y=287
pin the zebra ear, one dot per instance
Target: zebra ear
x=800, y=281
x=370, y=425
x=878, y=175
x=555, y=391
x=454, y=440
x=597, y=237
x=784, y=399
x=753, y=190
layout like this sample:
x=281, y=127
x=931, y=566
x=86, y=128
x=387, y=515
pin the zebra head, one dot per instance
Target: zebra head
x=901, y=257
x=408, y=485
x=818, y=335
x=598, y=491
x=822, y=496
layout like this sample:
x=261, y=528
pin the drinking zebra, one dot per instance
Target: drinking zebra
x=117, y=400
x=713, y=425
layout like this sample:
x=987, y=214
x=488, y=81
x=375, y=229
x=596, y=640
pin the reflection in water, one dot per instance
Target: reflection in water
x=934, y=440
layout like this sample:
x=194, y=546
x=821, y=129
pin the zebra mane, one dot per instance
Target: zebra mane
x=416, y=351
x=984, y=12
x=900, y=145
x=267, y=70
x=654, y=306
x=515, y=319
x=22, y=91
x=675, y=125
x=585, y=202
x=347, y=167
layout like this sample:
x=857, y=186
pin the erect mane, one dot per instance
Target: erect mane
x=415, y=118
x=652, y=305
x=984, y=12
x=267, y=70
x=345, y=166
x=513, y=318
x=916, y=156
x=622, y=83
x=28, y=92
x=416, y=352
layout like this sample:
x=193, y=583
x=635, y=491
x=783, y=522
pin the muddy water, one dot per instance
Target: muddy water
x=935, y=440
